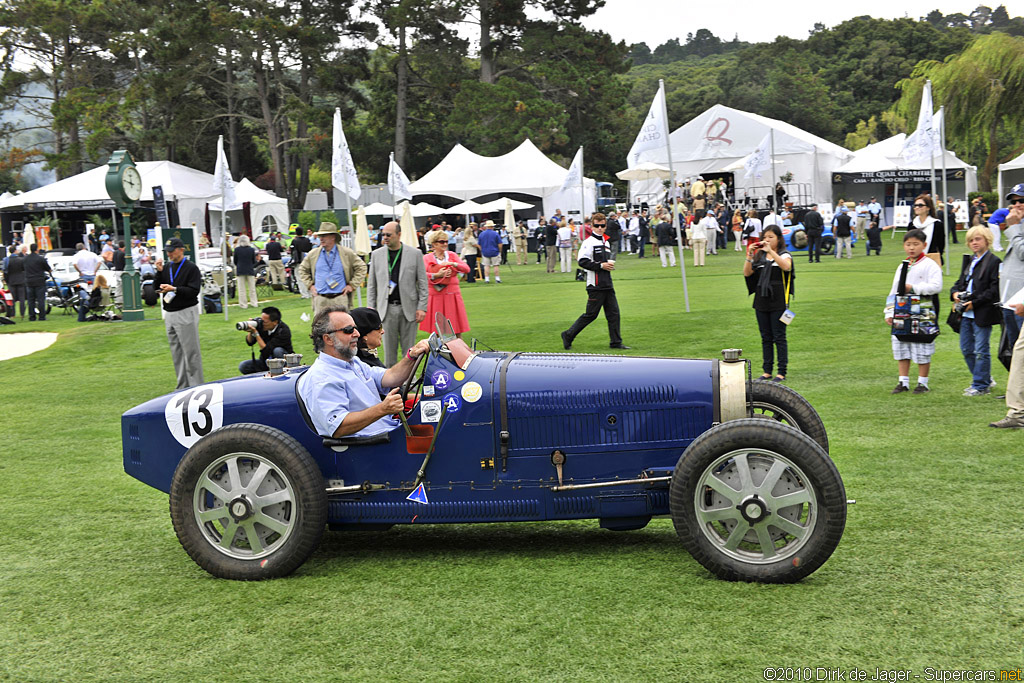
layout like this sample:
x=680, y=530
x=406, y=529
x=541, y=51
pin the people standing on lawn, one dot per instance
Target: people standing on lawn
x=769, y=275
x=737, y=229
x=443, y=293
x=814, y=227
x=470, y=251
x=924, y=278
x=1011, y=276
x=926, y=222
x=977, y=291
x=490, y=251
x=597, y=258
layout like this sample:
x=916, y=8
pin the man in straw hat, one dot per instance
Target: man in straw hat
x=331, y=270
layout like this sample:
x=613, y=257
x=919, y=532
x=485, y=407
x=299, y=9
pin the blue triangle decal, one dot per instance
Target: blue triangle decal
x=419, y=495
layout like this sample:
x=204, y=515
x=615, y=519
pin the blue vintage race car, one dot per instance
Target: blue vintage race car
x=741, y=466
x=796, y=238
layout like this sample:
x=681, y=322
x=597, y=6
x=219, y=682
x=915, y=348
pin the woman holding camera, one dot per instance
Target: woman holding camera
x=976, y=297
x=769, y=274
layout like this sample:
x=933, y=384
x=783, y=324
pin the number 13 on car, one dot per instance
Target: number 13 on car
x=194, y=413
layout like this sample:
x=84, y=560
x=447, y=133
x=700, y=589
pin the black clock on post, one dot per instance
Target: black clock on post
x=124, y=187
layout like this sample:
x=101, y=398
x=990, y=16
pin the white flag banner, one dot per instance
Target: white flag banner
x=760, y=159
x=223, y=183
x=653, y=133
x=921, y=145
x=343, y=170
x=575, y=175
x=398, y=182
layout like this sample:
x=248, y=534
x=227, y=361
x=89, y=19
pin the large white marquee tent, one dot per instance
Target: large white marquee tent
x=190, y=190
x=878, y=170
x=716, y=140
x=1010, y=174
x=525, y=170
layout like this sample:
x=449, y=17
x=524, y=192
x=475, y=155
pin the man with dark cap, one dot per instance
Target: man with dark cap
x=1011, y=279
x=180, y=283
x=371, y=331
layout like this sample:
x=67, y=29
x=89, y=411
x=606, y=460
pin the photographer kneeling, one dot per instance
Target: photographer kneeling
x=273, y=336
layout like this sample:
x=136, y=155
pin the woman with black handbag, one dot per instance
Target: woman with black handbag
x=769, y=274
x=976, y=297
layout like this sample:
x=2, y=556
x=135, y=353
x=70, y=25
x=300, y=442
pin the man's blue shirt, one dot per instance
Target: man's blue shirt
x=332, y=388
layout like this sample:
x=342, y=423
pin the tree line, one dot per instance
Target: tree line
x=163, y=79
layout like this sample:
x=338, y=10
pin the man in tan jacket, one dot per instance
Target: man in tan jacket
x=331, y=270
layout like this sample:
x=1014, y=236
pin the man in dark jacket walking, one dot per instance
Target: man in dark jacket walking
x=14, y=276
x=814, y=226
x=36, y=270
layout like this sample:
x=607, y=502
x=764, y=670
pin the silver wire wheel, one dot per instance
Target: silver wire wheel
x=756, y=500
x=245, y=506
x=248, y=502
x=755, y=505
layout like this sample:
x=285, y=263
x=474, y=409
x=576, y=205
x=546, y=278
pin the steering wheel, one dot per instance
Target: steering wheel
x=415, y=383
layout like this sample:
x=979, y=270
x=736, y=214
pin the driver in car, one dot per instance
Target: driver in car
x=341, y=392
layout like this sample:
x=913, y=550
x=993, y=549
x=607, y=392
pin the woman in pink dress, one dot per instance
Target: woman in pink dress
x=443, y=268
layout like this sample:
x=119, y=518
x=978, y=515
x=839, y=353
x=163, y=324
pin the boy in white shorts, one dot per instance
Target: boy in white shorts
x=924, y=278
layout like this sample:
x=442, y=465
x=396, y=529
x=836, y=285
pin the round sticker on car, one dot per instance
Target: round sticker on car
x=194, y=413
x=442, y=380
x=452, y=403
x=471, y=391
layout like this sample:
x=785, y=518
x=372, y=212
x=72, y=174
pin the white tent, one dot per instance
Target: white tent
x=721, y=136
x=1009, y=174
x=267, y=211
x=878, y=170
x=87, y=191
x=466, y=175
x=189, y=189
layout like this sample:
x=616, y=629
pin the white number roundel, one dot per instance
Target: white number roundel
x=193, y=413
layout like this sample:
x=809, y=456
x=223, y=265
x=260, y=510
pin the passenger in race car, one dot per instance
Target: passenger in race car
x=342, y=393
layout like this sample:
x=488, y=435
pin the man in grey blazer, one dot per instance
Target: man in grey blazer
x=397, y=290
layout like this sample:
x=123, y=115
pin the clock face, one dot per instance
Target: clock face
x=131, y=181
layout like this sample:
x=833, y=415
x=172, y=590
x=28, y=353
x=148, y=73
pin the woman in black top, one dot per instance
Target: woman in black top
x=769, y=273
x=370, y=328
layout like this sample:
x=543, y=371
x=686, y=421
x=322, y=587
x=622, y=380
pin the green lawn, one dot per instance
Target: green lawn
x=93, y=583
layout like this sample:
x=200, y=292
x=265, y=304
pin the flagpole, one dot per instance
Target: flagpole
x=945, y=195
x=583, y=203
x=391, y=163
x=224, y=237
x=775, y=197
x=675, y=196
x=348, y=210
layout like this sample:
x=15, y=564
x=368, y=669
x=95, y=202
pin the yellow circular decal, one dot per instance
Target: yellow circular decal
x=459, y=375
x=472, y=392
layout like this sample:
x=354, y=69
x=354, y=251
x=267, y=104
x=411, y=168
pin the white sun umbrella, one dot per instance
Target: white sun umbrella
x=423, y=209
x=500, y=203
x=408, y=226
x=510, y=219
x=378, y=209
x=362, y=240
x=645, y=171
x=465, y=208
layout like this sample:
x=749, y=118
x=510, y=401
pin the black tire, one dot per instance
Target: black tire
x=287, y=528
x=798, y=239
x=149, y=293
x=777, y=531
x=828, y=244
x=774, y=401
x=9, y=310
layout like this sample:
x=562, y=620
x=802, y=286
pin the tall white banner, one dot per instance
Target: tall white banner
x=654, y=131
x=343, y=170
x=921, y=145
x=574, y=178
x=398, y=182
x=223, y=183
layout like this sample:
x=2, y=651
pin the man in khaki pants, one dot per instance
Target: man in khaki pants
x=521, y=234
x=331, y=270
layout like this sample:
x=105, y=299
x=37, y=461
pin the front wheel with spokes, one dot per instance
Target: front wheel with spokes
x=753, y=500
x=248, y=502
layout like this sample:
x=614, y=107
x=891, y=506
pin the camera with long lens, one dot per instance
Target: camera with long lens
x=961, y=305
x=254, y=325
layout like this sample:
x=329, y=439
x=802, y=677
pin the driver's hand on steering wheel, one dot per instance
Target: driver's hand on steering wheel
x=392, y=403
x=422, y=347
